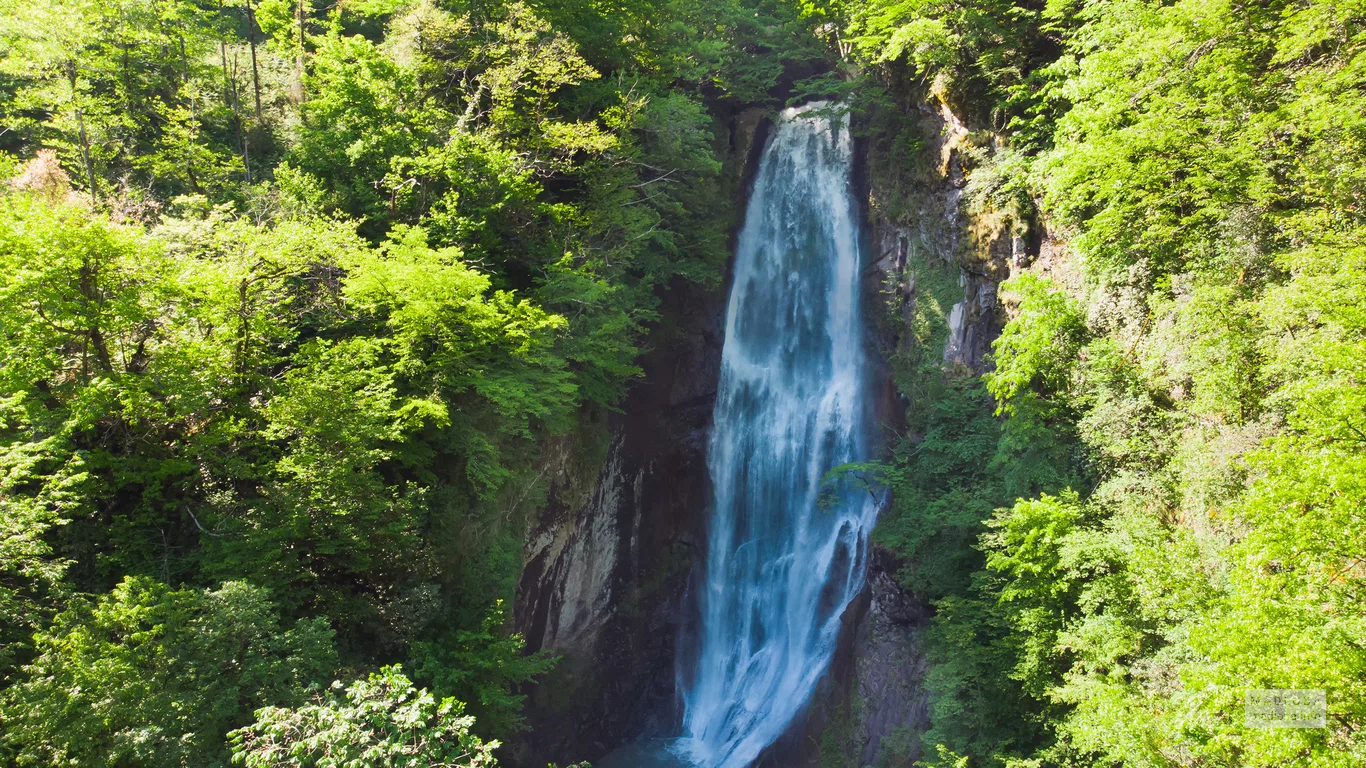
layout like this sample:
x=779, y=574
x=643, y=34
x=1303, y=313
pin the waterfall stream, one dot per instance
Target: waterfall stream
x=783, y=560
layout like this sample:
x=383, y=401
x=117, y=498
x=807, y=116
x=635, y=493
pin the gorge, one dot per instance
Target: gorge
x=682, y=383
x=806, y=300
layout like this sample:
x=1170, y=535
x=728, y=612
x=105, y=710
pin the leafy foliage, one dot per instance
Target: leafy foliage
x=1179, y=435
x=153, y=676
x=292, y=298
x=383, y=721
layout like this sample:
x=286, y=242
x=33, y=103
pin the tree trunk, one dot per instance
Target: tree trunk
x=255, y=73
x=227, y=88
x=237, y=120
x=85, y=155
x=88, y=285
x=192, y=132
x=71, y=74
x=299, y=94
x=223, y=57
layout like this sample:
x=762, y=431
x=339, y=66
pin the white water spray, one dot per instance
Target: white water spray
x=791, y=405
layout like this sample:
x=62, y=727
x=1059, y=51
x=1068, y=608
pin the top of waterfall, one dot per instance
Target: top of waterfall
x=814, y=106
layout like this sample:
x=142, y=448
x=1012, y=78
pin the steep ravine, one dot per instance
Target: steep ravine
x=608, y=564
x=936, y=260
x=604, y=580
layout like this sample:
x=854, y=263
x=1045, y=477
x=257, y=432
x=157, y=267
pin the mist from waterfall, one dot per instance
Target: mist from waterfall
x=782, y=565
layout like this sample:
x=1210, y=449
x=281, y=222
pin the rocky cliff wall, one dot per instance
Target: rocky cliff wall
x=936, y=258
x=607, y=565
x=604, y=581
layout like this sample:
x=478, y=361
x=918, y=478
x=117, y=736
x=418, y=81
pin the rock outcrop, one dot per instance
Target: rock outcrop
x=936, y=259
x=606, y=568
x=604, y=581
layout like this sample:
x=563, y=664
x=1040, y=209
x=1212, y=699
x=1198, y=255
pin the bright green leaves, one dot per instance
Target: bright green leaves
x=30, y=577
x=942, y=485
x=151, y=676
x=337, y=414
x=1291, y=616
x=337, y=283
x=486, y=668
x=1032, y=546
x=1204, y=350
x=79, y=295
x=927, y=44
x=1029, y=543
x=1038, y=348
x=391, y=148
x=1219, y=551
x=1209, y=170
x=85, y=307
x=986, y=49
x=457, y=133
x=123, y=88
x=528, y=62
x=427, y=293
x=917, y=30
x=184, y=154
x=1315, y=342
x=1183, y=145
x=290, y=386
x=454, y=338
x=363, y=110
x=384, y=721
x=1036, y=371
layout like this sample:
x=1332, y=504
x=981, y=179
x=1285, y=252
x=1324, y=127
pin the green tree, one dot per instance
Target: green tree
x=383, y=721
x=486, y=667
x=152, y=676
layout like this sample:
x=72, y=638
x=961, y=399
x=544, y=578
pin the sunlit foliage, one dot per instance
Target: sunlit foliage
x=1183, y=418
x=292, y=300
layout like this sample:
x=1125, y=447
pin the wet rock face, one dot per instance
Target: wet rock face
x=926, y=234
x=570, y=583
x=606, y=571
x=889, y=667
x=973, y=322
x=932, y=255
x=605, y=582
x=606, y=576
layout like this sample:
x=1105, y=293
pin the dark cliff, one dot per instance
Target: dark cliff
x=607, y=565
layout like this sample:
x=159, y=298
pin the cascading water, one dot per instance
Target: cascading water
x=783, y=561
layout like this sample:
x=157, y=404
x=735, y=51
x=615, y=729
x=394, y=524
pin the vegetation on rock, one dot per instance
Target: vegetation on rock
x=1165, y=512
x=293, y=297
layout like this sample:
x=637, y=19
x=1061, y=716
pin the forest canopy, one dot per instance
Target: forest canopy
x=294, y=298
x=1151, y=503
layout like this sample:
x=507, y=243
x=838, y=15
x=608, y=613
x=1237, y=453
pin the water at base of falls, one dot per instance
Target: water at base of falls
x=785, y=555
x=651, y=753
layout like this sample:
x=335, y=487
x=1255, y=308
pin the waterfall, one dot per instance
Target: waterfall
x=784, y=559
